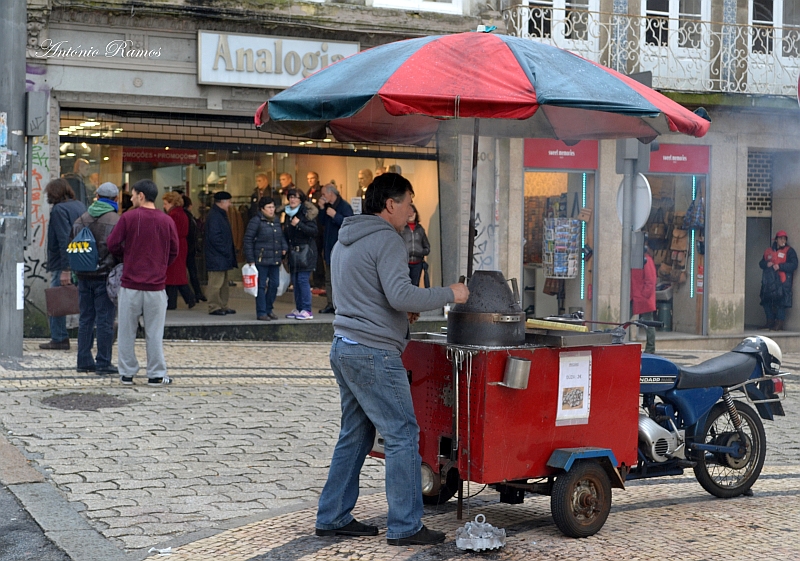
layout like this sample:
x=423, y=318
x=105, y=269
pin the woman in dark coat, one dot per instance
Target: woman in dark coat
x=778, y=265
x=417, y=245
x=177, y=279
x=300, y=229
x=264, y=247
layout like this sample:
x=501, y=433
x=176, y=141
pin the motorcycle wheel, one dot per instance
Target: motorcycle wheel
x=581, y=500
x=722, y=475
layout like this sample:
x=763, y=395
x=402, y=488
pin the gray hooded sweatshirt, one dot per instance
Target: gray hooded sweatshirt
x=372, y=290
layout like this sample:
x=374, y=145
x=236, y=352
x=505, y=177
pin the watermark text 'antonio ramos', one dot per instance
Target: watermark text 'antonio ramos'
x=118, y=48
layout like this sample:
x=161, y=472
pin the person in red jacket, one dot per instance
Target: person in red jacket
x=147, y=241
x=177, y=279
x=643, y=296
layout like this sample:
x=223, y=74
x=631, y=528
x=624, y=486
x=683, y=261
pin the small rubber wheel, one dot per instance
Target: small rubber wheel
x=581, y=500
x=446, y=492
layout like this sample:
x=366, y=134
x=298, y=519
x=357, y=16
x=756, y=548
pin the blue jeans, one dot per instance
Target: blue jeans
x=774, y=313
x=58, y=326
x=375, y=394
x=267, y=292
x=97, y=308
x=302, y=290
x=415, y=272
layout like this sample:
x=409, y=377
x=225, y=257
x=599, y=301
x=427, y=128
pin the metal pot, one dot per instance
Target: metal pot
x=492, y=315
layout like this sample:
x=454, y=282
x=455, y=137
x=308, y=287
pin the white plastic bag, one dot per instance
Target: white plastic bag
x=286, y=280
x=250, y=279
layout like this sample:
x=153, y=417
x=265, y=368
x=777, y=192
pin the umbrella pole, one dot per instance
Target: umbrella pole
x=473, y=189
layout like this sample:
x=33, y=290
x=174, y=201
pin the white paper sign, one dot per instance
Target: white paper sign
x=20, y=286
x=355, y=203
x=574, y=388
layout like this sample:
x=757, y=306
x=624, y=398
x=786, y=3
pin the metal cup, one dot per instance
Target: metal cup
x=517, y=372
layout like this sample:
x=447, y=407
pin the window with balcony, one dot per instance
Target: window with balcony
x=791, y=28
x=763, y=30
x=689, y=24
x=442, y=6
x=662, y=15
x=657, y=23
x=571, y=17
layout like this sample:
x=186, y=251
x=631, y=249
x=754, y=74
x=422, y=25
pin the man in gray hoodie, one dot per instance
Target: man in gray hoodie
x=375, y=301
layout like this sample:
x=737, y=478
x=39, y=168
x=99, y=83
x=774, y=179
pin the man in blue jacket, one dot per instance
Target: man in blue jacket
x=220, y=254
x=63, y=214
x=334, y=209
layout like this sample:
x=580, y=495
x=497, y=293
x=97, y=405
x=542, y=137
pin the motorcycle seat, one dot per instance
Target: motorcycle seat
x=723, y=371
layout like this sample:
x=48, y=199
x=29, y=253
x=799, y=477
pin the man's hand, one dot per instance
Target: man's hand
x=412, y=317
x=460, y=292
x=330, y=212
x=65, y=278
x=295, y=221
x=776, y=266
x=321, y=202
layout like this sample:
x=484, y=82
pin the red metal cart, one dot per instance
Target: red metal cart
x=571, y=433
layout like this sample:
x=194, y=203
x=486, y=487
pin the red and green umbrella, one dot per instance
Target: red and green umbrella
x=400, y=93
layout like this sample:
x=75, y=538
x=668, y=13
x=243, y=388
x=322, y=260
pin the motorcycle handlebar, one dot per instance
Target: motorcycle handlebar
x=648, y=323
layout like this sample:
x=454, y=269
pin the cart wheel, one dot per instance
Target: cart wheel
x=446, y=492
x=581, y=500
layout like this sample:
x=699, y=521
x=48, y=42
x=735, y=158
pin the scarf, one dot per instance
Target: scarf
x=292, y=211
x=101, y=207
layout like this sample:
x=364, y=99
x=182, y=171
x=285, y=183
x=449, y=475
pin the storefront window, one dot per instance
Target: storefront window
x=676, y=235
x=559, y=227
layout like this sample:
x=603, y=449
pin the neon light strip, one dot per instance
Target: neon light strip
x=691, y=254
x=583, y=241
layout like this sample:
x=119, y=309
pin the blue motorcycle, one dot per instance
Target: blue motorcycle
x=690, y=419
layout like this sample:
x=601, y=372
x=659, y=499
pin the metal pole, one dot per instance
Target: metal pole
x=473, y=189
x=13, y=37
x=627, y=230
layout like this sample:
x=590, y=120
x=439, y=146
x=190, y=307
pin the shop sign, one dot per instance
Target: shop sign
x=159, y=156
x=543, y=153
x=259, y=61
x=680, y=158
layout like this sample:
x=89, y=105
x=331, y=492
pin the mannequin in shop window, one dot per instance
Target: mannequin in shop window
x=77, y=179
x=778, y=265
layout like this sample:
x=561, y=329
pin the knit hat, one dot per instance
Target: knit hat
x=222, y=196
x=107, y=191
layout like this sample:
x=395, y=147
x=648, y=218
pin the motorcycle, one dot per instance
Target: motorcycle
x=690, y=419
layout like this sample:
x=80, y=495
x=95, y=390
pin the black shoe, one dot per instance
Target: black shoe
x=272, y=316
x=192, y=305
x=328, y=310
x=423, y=537
x=264, y=318
x=55, y=345
x=217, y=313
x=160, y=381
x=107, y=370
x=87, y=368
x=126, y=380
x=353, y=528
x=229, y=310
x=202, y=298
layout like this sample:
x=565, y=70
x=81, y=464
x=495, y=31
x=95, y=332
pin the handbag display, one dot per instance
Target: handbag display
x=664, y=271
x=62, y=300
x=680, y=239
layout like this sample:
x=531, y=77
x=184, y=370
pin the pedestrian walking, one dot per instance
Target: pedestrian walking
x=417, y=245
x=63, y=214
x=300, y=229
x=96, y=308
x=220, y=254
x=177, y=277
x=778, y=265
x=375, y=302
x=265, y=246
x=191, y=250
x=147, y=242
x=643, y=296
x=333, y=210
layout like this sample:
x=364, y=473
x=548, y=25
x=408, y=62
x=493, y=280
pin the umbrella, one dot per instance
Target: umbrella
x=400, y=93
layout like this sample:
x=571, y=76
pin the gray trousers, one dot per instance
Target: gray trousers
x=152, y=306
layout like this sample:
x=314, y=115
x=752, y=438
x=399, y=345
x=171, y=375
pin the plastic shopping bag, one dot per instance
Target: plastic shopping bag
x=285, y=280
x=250, y=279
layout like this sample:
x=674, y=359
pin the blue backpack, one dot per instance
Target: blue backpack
x=82, y=252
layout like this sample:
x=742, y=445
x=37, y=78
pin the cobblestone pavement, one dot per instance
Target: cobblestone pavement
x=228, y=462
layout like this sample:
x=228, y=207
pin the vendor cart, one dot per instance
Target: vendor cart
x=569, y=432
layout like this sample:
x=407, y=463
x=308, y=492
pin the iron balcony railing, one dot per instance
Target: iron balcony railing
x=683, y=54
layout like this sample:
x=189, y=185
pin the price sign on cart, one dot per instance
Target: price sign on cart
x=574, y=388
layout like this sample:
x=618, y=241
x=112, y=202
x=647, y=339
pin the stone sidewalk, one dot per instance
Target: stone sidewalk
x=228, y=462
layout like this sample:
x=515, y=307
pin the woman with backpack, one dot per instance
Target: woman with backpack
x=778, y=265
